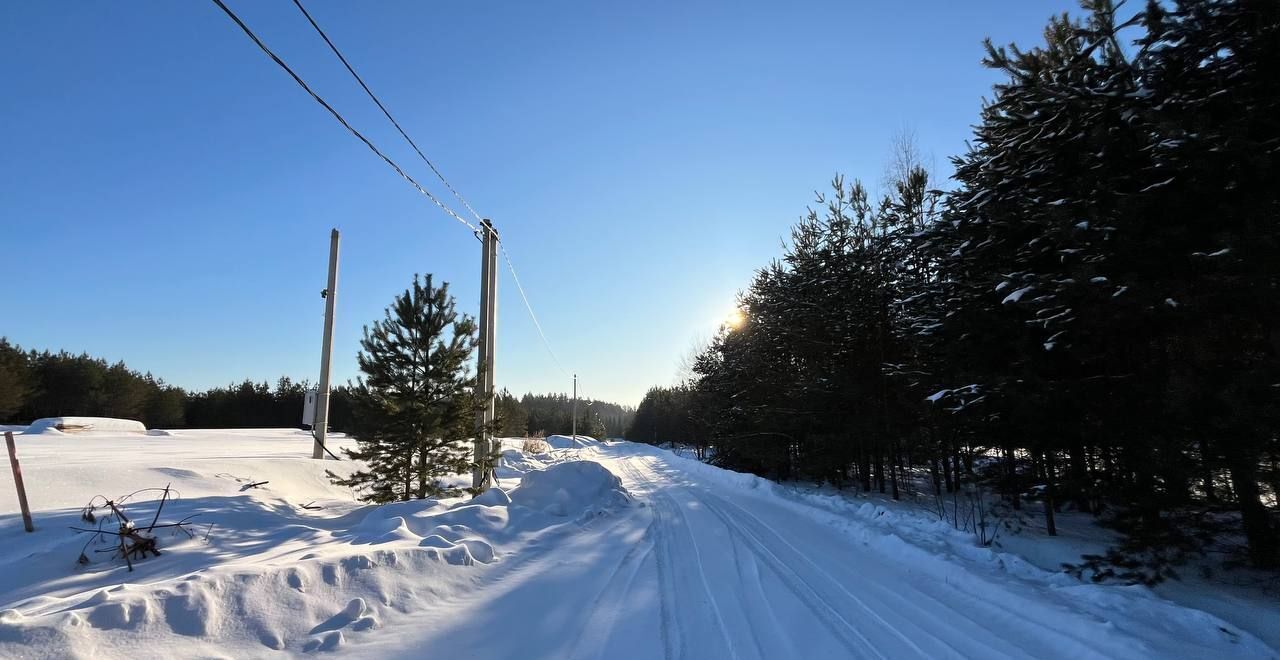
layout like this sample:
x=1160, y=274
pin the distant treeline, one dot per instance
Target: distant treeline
x=1096, y=305
x=666, y=414
x=45, y=384
x=553, y=414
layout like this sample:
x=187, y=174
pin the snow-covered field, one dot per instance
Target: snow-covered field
x=590, y=550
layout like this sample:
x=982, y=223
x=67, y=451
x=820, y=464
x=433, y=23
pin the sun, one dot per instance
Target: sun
x=735, y=319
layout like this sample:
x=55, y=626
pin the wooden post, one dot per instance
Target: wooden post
x=17, y=481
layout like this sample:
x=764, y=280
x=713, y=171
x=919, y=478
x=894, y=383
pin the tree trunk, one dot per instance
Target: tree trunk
x=1275, y=473
x=1049, y=521
x=1050, y=475
x=1078, y=487
x=422, y=474
x=864, y=466
x=880, y=469
x=1206, y=473
x=1257, y=523
x=1011, y=477
x=408, y=479
x=947, y=458
x=894, y=467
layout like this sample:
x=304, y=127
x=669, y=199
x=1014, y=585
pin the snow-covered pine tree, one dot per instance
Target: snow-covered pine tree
x=1212, y=244
x=1026, y=255
x=414, y=407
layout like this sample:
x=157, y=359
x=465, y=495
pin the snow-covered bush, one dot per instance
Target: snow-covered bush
x=535, y=446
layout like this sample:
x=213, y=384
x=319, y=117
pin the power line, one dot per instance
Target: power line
x=523, y=297
x=383, y=108
x=387, y=160
x=339, y=117
x=530, y=307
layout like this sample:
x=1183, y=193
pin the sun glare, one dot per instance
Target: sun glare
x=734, y=319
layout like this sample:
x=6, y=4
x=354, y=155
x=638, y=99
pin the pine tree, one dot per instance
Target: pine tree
x=164, y=405
x=123, y=394
x=1214, y=209
x=590, y=424
x=414, y=407
x=15, y=379
x=512, y=417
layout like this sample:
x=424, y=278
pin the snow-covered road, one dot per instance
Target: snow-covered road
x=690, y=562
x=707, y=568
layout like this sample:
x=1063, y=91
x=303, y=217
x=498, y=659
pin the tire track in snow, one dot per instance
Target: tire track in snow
x=822, y=608
x=662, y=500
x=767, y=545
x=702, y=575
x=754, y=581
x=972, y=600
x=608, y=603
x=1045, y=635
x=782, y=540
x=672, y=642
x=771, y=618
x=830, y=617
x=983, y=613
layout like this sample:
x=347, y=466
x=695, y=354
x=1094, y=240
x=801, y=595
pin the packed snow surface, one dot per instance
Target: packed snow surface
x=589, y=550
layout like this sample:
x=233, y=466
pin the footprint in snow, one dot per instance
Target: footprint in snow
x=354, y=611
x=328, y=642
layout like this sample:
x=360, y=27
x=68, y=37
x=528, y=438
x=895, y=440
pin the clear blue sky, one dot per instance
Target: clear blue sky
x=166, y=192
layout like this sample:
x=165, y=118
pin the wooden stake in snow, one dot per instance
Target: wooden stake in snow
x=17, y=481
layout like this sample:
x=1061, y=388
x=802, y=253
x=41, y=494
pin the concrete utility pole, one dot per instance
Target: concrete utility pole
x=321, y=426
x=488, y=336
x=575, y=406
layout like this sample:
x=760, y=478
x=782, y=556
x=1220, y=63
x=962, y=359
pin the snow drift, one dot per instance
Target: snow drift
x=83, y=424
x=571, y=441
x=270, y=575
x=570, y=488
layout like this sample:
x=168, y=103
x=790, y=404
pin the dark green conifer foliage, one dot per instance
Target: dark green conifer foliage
x=1094, y=306
x=414, y=408
x=15, y=379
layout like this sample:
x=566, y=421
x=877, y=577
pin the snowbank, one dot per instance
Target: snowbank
x=54, y=425
x=283, y=559
x=514, y=464
x=570, y=488
x=571, y=441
